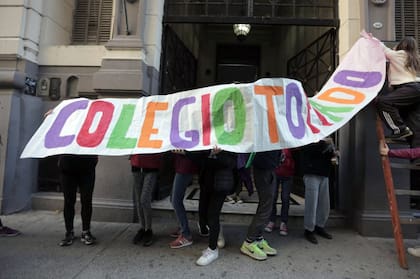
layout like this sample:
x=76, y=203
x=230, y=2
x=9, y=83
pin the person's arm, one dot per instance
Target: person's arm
x=406, y=153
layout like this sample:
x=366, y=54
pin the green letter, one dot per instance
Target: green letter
x=221, y=97
x=118, y=139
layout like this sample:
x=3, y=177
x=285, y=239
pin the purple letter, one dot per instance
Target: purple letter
x=53, y=138
x=358, y=79
x=292, y=91
x=176, y=140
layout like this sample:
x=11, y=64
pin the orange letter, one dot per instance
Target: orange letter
x=357, y=96
x=148, y=129
x=269, y=92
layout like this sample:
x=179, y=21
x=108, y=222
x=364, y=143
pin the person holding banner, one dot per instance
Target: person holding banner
x=284, y=177
x=77, y=172
x=264, y=163
x=185, y=169
x=318, y=158
x=404, y=63
x=145, y=169
x=217, y=179
x=406, y=153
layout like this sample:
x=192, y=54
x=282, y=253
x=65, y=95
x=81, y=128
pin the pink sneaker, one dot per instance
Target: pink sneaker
x=269, y=228
x=180, y=242
x=283, y=229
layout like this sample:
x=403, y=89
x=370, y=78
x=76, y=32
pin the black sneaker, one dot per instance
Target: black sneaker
x=402, y=135
x=139, y=236
x=310, y=236
x=87, y=238
x=68, y=239
x=148, y=238
x=322, y=232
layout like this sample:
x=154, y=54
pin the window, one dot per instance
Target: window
x=92, y=22
x=407, y=19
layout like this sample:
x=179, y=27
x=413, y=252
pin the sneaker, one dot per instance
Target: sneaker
x=322, y=232
x=6, y=231
x=203, y=231
x=269, y=228
x=148, y=238
x=180, y=242
x=267, y=249
x=139, y=236
x=402, y=135
x=238, y=200
x=221, y=239
x=87, y=238
x=208, y=257
x=252, y=250
x=230, y=200
x=283, y=229
x=175, y=234
x=414, y=251
x=310, y=236
x=68, y=239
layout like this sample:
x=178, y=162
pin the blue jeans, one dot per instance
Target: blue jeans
x=286, y=188
x=181, y=182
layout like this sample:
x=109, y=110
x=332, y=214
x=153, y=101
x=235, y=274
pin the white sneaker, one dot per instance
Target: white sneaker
x=208, y=257
x=414, y=251
x=221, y=239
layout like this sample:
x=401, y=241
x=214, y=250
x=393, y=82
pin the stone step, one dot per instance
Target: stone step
x=112, y=210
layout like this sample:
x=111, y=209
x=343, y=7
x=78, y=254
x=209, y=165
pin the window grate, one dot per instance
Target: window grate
x=407, y=19
x=92, y=22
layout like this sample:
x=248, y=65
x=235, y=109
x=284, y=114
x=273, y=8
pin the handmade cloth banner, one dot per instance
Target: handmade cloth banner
x=269, y=114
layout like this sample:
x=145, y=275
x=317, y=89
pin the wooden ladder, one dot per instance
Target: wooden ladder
x=392, y=200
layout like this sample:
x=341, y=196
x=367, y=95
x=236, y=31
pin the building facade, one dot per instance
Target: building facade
x=52, y=50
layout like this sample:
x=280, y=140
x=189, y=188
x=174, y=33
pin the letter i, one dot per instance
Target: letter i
x=205, y=115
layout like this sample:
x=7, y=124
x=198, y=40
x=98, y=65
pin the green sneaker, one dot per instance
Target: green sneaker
x=263, y=245
x=252, y=250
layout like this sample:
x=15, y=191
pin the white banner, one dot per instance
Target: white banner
x=271, y=113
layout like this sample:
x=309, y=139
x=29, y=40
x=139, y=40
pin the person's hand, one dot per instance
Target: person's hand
x=48, y=113
x=216, y=150
x=178, y=151
x=383, y=148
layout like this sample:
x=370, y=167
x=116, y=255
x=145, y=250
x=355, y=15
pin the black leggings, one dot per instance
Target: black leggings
x=403, y=96
x=209, y=207
x=70, y=183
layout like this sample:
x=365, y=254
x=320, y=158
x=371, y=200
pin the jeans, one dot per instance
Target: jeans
x=286, y=188
x=317, y=201
x=181, y=182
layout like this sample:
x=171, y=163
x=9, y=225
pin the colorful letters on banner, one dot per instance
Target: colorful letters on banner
x=265, y=115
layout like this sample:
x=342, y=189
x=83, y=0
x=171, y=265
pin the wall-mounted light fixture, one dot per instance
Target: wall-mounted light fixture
x=241, y=30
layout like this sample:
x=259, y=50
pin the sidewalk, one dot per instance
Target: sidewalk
x=36, y=254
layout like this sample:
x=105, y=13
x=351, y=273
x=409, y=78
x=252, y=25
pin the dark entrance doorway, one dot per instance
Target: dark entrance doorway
x=296, y=39
x=237, y=63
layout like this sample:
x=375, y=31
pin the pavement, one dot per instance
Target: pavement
x=36, y=254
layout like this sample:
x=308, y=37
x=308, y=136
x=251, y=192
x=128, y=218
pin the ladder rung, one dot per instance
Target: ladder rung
x=405, y=166
x=401, y=141
x=410, y=221
x=404, y=192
